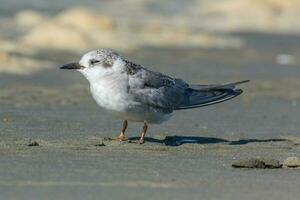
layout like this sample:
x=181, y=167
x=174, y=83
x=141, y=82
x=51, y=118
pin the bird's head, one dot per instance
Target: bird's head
x=96, y=64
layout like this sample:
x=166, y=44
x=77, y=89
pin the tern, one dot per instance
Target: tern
x=135, y=93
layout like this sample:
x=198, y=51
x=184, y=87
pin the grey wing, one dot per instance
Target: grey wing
x=205, y=95
x=168, y=94
x=158, y=90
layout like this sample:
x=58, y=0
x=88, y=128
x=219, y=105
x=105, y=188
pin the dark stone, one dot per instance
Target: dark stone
x=100, y=144
x=33, y=144
x=262, y=163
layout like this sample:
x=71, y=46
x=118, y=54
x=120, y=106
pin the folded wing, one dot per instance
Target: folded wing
x=204, y=95
x=167, y=94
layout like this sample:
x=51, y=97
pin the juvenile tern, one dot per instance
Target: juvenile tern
x=135, y=93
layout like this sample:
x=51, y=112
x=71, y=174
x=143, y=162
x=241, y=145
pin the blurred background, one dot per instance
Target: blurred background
x=201, y=41
x=29, y=28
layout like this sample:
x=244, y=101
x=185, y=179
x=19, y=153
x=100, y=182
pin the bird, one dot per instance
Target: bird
x=134, y=93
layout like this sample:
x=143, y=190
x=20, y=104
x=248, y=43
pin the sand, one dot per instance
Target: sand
x=52, y=132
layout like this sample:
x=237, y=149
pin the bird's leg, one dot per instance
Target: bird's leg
x=143, y=133
x=145, y=128
x=122, y=134
x=121, y=137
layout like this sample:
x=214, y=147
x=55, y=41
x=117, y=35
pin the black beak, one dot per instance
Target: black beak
x=72, y=66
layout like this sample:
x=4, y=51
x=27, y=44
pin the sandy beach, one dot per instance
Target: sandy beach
x=53, y=134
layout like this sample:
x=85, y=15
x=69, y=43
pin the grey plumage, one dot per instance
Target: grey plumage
x=168, y=94
x=159, y=91
x=205, y=95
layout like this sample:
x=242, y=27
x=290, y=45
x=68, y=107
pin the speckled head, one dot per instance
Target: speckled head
x=101, y=58
x=96, y=64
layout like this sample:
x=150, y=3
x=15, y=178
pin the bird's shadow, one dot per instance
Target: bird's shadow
x=180, y=140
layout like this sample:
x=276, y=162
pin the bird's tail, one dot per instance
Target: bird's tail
x=205, y=95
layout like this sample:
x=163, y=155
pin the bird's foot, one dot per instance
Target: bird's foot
x=140, y=141
x=121, y=138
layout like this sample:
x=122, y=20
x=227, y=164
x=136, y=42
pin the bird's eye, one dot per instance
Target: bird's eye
x=95, y=62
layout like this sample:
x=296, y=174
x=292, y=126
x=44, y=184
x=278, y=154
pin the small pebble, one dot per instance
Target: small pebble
x=7, y=120
x=292, y=162
x=100, y=144
x=262, y=163
x=33, y=144
x=285, y=59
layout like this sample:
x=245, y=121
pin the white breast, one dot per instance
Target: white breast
x=111, y=93
x=113, y=97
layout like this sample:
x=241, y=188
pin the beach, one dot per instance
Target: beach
x=53, y=133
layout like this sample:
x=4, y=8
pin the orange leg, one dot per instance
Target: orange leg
x=121, y=137
x=143, y=133
x=122, y=134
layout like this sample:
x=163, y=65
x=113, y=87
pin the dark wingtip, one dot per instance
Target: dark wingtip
x=236, y=83
x=238, y=91
x=241, y=82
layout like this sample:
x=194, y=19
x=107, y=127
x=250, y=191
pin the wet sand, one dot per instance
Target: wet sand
x=188, y=157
